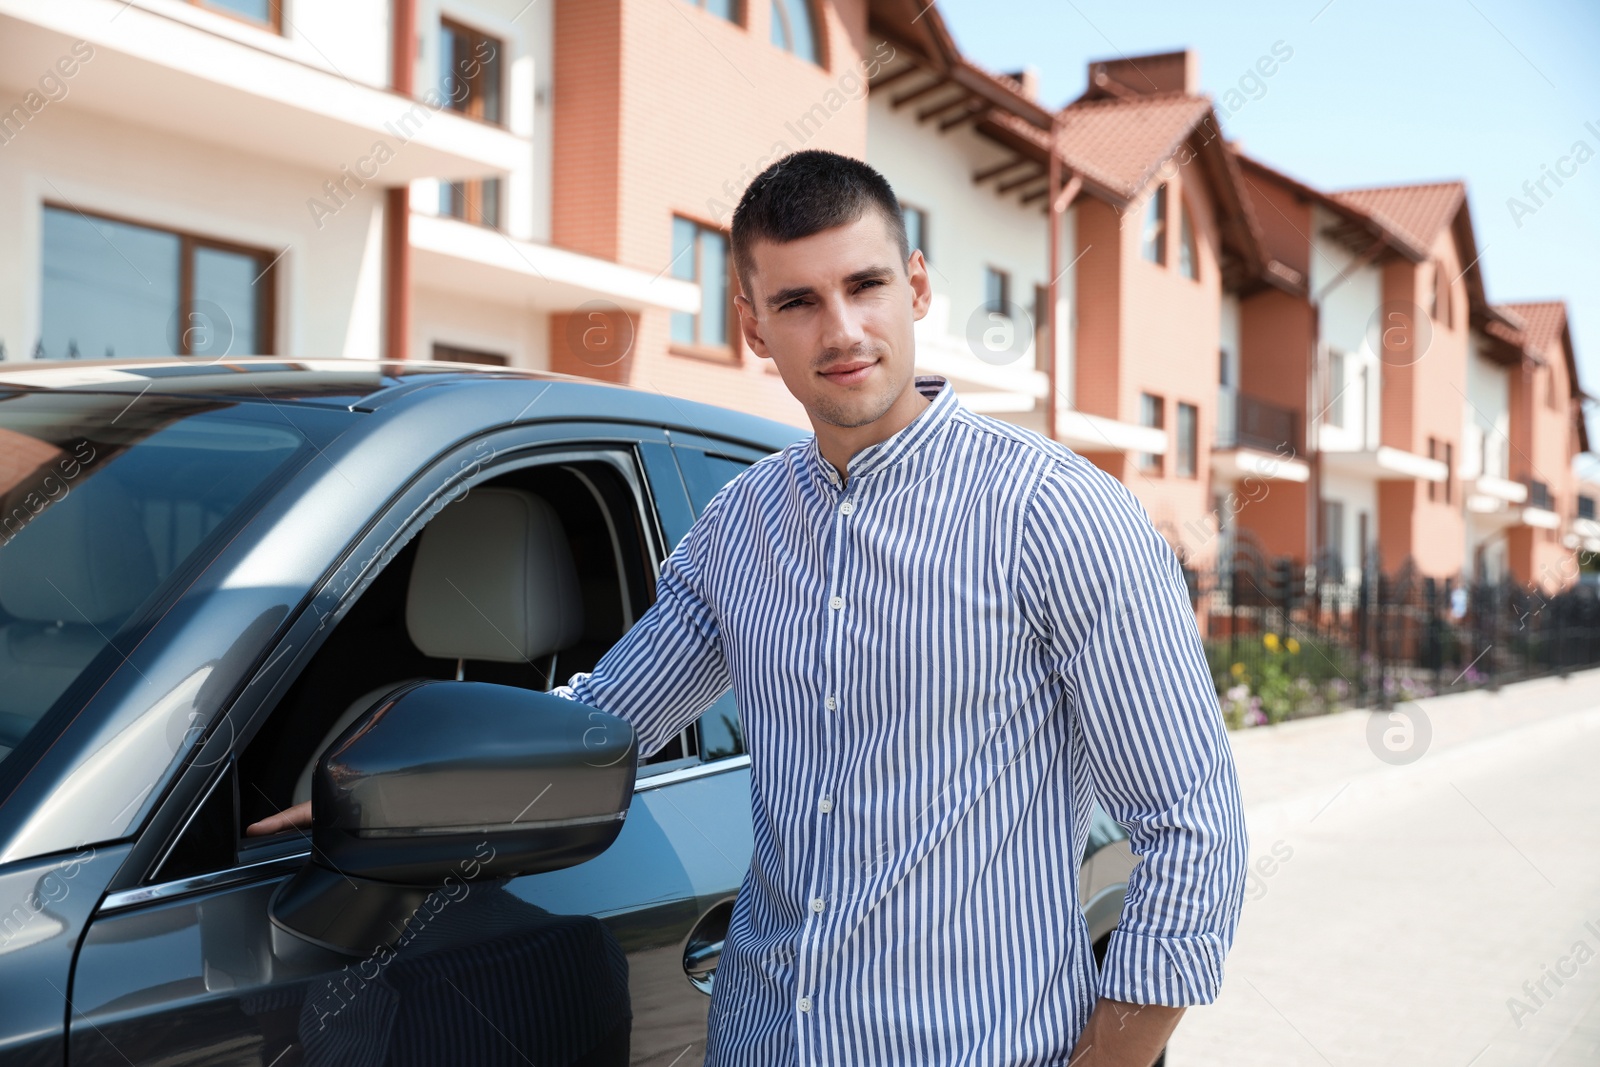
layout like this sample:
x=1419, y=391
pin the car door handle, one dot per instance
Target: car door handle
x=703, y=949
x=700, y=964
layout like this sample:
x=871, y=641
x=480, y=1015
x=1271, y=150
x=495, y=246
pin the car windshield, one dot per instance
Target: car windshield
x=107, y=503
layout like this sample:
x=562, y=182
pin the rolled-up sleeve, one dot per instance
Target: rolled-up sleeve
x=669, y=666
x=1107, y=598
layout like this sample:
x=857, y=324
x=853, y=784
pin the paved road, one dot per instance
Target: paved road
x=1398, y=909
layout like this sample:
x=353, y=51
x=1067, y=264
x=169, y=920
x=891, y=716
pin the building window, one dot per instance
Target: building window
x=1585, y=507
x=1154, y=241
x=453, y=354
x=997, y=292
x=113, y=288
x=1433, y=453
x=470, y=84
x=1336, y=387
x=268, y=13
x=1188, y=251
x=700, y=255
x=1550, y=400
x=1188, y=439
x=1151, y=414
x=727, y=9
x=794, y=29
x=1449, y=471
x=1440, y=312
x=916, y=228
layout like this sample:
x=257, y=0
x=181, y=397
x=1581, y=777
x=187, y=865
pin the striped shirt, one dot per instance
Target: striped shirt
x=940, y=662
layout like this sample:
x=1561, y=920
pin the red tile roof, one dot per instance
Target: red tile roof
x=1415, y=213
x=1543, y=322
x=1121, y=143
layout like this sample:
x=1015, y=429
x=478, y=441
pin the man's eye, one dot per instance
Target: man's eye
x=870, y=281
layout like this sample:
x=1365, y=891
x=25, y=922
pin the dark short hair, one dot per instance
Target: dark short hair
x=805, y=193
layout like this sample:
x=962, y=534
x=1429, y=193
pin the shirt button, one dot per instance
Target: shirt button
x=804, y=1004
x=825, y=805
x=832, y=703
x=846, y=508
x=836, y=602
x=816, y=904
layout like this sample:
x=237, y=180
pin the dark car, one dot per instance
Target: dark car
x=228, y=587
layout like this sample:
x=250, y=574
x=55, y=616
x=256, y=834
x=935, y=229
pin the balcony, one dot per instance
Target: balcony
x=199, y=75
x=1244, y=421
x=1256, y=438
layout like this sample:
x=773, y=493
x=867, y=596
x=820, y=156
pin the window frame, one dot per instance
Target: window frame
x=443, y=352
x=1156, y=216
x=731, y=350
x=1338, y=375
x=739, y=17
x=1188, y=243
x=992, y=273
x=481, y=200
x=1187, y=460
x=921, y=243
x=818, y=38
x=274, y=20
x=1151, y=462
x=266, y=282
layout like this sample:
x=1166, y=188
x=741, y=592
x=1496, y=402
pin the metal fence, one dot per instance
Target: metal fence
x=1301, y=636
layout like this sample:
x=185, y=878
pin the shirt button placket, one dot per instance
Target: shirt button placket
x=836, y=604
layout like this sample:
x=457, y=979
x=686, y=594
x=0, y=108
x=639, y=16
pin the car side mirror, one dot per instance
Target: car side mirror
x=443, y=781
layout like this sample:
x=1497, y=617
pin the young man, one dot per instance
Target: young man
x=947, y=635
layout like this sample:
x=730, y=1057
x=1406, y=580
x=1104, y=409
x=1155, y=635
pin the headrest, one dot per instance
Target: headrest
x=83, y=557
x=494, y=579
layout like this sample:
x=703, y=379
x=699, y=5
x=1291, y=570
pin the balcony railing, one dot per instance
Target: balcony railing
x=1539, y=495
x=1244, y=421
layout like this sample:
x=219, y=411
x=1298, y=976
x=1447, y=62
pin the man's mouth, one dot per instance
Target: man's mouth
x=849, y=373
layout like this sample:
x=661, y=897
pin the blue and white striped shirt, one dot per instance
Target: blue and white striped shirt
x=940, y=662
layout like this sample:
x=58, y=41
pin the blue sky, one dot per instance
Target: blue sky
x=1488, y=91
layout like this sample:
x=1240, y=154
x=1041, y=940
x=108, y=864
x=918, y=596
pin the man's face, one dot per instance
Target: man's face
x=834, y=312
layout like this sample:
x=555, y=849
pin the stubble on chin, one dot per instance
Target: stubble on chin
x=849, y=416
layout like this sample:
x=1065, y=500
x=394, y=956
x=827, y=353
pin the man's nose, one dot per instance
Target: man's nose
x=842, y=329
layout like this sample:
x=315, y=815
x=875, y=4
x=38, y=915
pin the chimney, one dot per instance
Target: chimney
x=1166, y=72
x=1028, y=78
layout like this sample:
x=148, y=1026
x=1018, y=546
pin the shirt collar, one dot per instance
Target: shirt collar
x=904, y=441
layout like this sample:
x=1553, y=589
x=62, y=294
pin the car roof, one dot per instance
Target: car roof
x=364, y=385
x=334, y=382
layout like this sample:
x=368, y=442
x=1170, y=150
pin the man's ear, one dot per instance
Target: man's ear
x=749, y=326
x=921, y=287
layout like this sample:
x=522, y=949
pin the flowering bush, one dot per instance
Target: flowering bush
x=1277, y=689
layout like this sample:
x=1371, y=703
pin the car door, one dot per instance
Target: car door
x=182, y=964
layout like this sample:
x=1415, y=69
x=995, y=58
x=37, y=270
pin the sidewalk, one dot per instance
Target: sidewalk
x=1292, y=771
x=1400, y=914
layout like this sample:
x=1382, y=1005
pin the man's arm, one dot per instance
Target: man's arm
x=669, y=666
x=665, y=671
x=1108, y=596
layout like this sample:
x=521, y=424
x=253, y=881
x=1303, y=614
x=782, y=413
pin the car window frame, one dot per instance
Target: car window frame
x=432, y=486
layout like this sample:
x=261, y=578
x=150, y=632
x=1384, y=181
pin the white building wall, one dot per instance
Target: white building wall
x=1346, y=325
x=969, y=228
x=329, y=277
x=1487, y=416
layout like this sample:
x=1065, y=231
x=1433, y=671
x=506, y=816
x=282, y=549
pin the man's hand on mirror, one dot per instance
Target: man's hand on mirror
x=295, y=818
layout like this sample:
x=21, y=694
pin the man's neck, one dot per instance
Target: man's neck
x=838, y=443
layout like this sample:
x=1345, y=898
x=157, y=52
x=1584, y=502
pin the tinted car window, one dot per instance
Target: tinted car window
x=106, y=501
